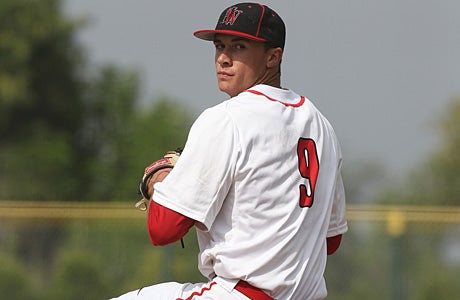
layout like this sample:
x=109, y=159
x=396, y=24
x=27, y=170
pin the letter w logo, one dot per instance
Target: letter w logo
x=231, y=15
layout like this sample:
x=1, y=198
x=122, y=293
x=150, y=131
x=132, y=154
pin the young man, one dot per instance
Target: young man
x=259, y=177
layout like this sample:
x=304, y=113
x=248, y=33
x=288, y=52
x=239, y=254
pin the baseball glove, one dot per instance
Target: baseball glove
x=154, y=173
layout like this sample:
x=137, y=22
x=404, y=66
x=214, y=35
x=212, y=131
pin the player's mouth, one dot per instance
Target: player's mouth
x=223, y=75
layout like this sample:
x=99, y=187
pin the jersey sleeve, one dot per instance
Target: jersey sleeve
x=338, y=222
x=200, y=181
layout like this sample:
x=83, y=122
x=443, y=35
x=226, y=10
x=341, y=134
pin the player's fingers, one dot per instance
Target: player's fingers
x=157, y=177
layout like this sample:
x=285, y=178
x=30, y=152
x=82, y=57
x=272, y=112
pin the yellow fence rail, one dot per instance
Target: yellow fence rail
x=114, y=210
x=396, y=217
x=68, y=210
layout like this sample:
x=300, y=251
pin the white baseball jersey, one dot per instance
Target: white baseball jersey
x=261, y=173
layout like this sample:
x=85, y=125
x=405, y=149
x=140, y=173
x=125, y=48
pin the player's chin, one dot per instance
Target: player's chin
x=227, y=88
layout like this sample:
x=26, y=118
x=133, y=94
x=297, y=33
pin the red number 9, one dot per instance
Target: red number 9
x=308, y=168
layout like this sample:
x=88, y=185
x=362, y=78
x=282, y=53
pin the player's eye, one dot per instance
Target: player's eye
x=219, y=46
x=240, y=46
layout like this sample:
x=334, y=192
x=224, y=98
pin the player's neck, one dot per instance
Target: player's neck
x=273, y=80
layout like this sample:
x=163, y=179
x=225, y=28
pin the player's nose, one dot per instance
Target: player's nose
x=223, y=59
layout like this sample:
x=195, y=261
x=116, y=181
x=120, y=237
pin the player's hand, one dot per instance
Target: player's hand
x=156, y=172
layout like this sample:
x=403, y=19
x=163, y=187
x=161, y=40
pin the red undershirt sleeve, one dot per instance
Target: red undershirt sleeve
x=333, y=243
x=165, y=225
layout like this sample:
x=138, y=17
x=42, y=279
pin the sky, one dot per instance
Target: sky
x=382, y=72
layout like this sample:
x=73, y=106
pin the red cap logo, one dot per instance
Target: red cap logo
x=231, y=15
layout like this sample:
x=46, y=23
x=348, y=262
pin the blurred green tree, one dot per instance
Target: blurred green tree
x=67, y=133
x=436, y=180
x=39, y=79
x=40, y=92
x=120, y=139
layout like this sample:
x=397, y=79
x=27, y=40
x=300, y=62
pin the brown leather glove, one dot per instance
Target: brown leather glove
x=154, y=173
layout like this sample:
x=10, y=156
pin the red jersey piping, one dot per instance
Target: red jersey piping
x=300, y=103
x=200, y=293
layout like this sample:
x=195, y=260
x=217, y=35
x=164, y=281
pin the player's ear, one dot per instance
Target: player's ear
x=274, y=56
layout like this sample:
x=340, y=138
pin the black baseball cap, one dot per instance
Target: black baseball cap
x=249, y=20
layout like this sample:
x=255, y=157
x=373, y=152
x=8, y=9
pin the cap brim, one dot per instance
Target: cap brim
x=209, y=35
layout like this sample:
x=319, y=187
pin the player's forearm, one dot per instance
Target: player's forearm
x=165, y=225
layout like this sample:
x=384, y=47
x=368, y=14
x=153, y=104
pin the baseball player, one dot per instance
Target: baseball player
x=259, y=177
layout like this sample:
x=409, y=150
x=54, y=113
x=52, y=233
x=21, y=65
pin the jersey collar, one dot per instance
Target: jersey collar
x=283, y=96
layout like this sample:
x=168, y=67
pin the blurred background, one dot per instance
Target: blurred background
x=93, y=91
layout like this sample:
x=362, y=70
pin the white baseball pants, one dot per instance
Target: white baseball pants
x=217, y=289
